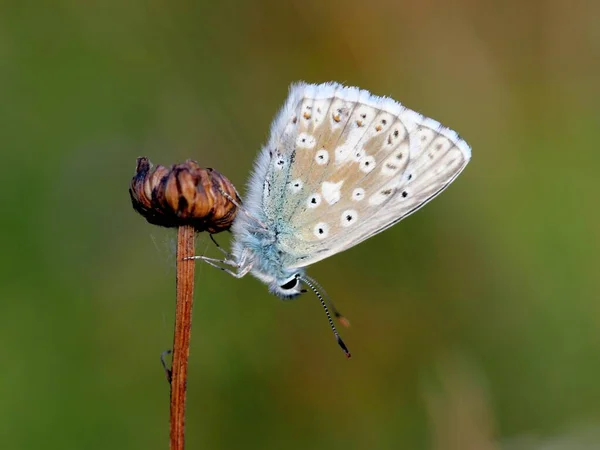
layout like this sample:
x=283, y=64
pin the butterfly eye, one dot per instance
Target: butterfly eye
x=290, y=284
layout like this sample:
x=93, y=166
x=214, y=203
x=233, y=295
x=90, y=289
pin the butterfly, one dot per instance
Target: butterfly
x=340, y=166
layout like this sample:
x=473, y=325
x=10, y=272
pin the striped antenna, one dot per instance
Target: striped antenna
x=309, y=283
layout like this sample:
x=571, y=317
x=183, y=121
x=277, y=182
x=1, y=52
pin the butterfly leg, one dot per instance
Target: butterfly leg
x=221, y=249
x=244, y=270
x=206, y=259
x=228, y=259
x=243, y=266
x=213, y=262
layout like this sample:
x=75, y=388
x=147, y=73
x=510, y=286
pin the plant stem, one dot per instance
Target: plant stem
x=181, y=338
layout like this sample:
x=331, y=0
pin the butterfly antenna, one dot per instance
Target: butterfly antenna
x=338, y=315
x=309, y=283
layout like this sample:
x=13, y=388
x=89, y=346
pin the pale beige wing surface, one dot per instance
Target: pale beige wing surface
x=348, y=165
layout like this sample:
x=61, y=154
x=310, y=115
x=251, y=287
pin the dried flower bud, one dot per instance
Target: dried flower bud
x=185, y=194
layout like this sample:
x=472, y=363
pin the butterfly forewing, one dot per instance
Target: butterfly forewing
x=346, y=165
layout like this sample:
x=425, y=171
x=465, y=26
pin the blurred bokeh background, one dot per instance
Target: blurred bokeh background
x=475, y=322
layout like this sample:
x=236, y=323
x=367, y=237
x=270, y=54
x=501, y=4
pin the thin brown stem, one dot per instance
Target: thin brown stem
x=181, y=338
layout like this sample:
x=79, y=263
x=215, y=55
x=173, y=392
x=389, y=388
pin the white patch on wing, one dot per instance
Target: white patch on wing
x=348, y=217
x=291, y=125
x=358, y=155
x=379, y=197
x=320, y=107
x=279, y=163
x=305, y=140
x=424, y=138
x=321, y=230
x=340, y=111
x=367, y=164
x=440, y=145
x=401, y=153
x=332, y=191
x=342, y=153
x=358, y=194
x=296, y=185
x=313, y=201
x=322, y=157
x=266, y=189
x=391, y=165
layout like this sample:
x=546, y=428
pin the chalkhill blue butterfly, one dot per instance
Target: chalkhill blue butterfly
x=340, y=166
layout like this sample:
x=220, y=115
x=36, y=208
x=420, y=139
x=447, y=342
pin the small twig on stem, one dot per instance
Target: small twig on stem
x=181, y=338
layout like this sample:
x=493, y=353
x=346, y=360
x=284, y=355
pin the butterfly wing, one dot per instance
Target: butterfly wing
x=342, y=165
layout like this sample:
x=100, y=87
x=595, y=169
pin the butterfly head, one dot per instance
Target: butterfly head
x=287, y=288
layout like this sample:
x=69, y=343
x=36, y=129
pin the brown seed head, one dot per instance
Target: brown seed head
x=185, y=194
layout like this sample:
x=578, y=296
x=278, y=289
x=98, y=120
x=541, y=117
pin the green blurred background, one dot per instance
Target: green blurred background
x=475, y=323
